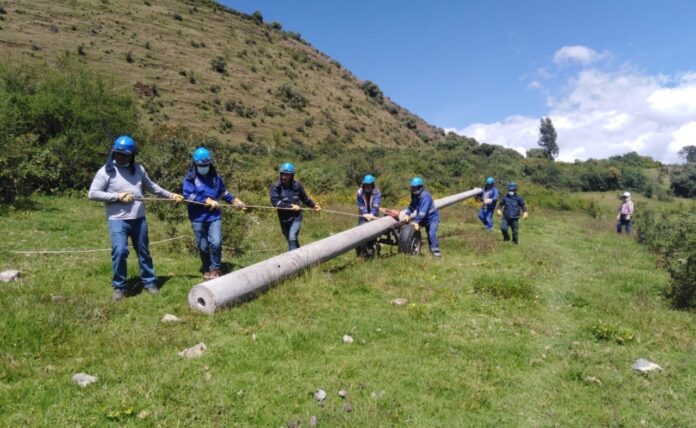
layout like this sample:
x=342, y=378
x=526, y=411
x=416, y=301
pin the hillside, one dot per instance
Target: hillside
x=221, y=73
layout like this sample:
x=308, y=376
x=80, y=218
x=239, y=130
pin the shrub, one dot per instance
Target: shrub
x=257, y=17
x=56, y=124
x=129, y=57
x=178, y=16
x=291, y=96
x=276, y=25
x=219, y=64
x=607, y=332
x=372, y=90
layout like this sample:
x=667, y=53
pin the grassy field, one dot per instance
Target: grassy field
x=540, y=334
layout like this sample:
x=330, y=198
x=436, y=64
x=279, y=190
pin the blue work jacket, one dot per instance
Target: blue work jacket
x=198, y=188
x=424, y=208
x=492, y=194
x=512, y=206
x=368, y=203
x=285, y=196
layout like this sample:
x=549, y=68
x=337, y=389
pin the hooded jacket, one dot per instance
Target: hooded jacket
x=198, y=188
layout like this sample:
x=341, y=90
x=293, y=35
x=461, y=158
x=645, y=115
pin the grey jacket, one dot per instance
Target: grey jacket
x=111, y=180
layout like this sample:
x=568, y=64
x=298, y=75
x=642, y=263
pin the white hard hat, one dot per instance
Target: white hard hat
x=626, y=195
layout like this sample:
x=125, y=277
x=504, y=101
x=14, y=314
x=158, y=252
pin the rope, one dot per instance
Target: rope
x=262, y=207
x=87, y=251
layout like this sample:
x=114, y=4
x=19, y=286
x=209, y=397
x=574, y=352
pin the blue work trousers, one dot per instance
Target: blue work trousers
x=624, y=223
x=431, y=230
x=291, y=231
x=509, y=222
x=486, y=217
x=120, y=231
x=209, y=242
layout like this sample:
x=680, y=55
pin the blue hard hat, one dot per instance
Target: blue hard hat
x=201, y=156
x=287, y=168
x=512, y=186
x=490, y=180
x=368, y=179
x=416, y=182
x=124, y=144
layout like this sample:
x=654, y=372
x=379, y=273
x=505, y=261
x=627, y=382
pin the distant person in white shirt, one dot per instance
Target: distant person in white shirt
x=625, y=214
x=120, y=184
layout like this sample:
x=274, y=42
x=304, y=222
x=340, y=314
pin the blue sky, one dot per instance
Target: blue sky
x=615, y=76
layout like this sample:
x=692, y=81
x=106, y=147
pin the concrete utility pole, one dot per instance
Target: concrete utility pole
x=244, y=284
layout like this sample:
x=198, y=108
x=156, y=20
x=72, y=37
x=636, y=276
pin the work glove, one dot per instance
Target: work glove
x=628, y=217
x=499, y=212
x=415, y=226
x=405, y=218
x=212, y=204
x=295, y=207
x=177, y=198
x=487, y=201
x=618, y=217
x=125, y=197
x=368, y=217
x=317, y=208
x=525, y=215
x=238, y=204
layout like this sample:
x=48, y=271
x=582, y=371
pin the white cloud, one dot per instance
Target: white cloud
x=601, y=114
x=535, y=84
x=579, y=54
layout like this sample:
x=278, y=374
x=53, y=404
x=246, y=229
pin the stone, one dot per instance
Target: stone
x=313, y=421
x=194, y=352
x=170, y=318
x=399, y=302
x=593, y=380
x=9, y=275
x=347, y=339
x=83, y=379
x=347, y=407
x=320, y=395
x=343, y=393
x=644, y=366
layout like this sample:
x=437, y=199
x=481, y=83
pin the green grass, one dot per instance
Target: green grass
x=493, y=334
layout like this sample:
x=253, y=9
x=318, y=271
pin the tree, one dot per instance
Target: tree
x=688, y=153
x=547, y=138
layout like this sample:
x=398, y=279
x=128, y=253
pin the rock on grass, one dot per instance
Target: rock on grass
x=194, y=352
x=9, y=275
x=83, y=379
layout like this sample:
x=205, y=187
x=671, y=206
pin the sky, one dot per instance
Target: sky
x=614, y=76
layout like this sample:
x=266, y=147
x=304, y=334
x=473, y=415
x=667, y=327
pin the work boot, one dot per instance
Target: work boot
x=119, y=294
x=206, y=276
x=153, y=290
x=514, y=241
x=436, y=253
x=215, y=273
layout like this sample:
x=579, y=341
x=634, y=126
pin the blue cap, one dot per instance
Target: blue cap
x=201, y=156
x=287, y=168
x=512, y=186
x=490, y=180
x=368, y=179
x=124, y=144
x=416, y=182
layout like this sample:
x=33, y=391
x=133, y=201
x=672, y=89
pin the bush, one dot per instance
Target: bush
x=219, y=64
x=56, y=125
x=683, y=181
x=372, y=90
x=291, y=96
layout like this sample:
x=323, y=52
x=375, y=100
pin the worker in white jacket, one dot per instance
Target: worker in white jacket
x=121, y=184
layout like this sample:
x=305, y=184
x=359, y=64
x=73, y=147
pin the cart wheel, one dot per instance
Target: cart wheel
x=409, y=240
x=369, y=250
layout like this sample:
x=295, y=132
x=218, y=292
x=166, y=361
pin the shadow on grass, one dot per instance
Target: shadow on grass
x=135, y=287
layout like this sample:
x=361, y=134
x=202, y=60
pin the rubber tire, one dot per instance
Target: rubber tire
x=409, y=240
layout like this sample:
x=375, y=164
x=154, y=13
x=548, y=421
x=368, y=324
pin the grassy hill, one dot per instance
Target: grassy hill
x=540, y=334
x=219, y=72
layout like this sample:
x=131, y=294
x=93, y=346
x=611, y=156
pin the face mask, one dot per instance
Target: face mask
x=511, y=193
x=203, y=170
x=122, y=165
x=416, y=192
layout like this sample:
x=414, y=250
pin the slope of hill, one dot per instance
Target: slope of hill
x=217, y=71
